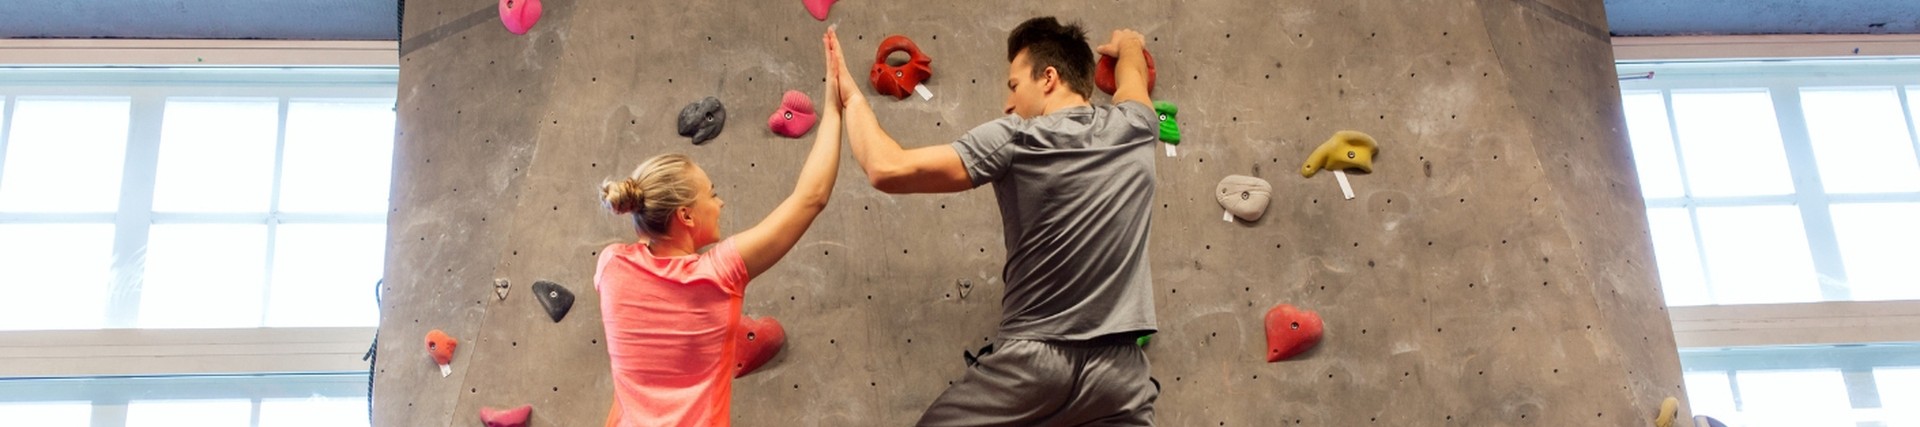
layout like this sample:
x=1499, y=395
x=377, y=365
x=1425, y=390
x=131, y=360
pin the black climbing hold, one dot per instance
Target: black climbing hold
x=703, y=120
x=557, y=299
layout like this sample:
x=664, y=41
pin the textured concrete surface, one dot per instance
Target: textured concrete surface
x=1494, y=270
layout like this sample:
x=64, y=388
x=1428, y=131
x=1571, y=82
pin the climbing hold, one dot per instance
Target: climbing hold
x=1244, y=196
x=1706, y=421
x=1103, y=73
x=1290, y=331
x=516, y=417
x=795, y=116
x=1668, y=408
x=898, y=81
x=440, y=347
x=519, y=15
x=1346, y=150
x=557, y=299
x=500, y=288
x=1143, y=340
x=756, y=343
x=818, y=8
x=1169, y=130
x=703, y=120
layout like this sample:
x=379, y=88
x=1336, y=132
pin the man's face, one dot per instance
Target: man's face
x=1026, y=96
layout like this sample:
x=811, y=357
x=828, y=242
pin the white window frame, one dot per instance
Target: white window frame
x=119, y=351
x=1852, y=337
x=1833, y=322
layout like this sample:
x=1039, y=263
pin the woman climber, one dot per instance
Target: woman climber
x=671, y=311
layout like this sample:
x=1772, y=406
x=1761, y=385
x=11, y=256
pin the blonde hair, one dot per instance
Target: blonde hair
x=655, y=190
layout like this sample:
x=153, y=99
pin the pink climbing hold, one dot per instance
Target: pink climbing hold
x=1291, y=331
x=795, y=116
x=818, y=8
x=516, y=417
x=519, y=15
x=758, y=341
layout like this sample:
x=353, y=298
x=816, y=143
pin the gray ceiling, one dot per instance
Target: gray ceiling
x=377, y=19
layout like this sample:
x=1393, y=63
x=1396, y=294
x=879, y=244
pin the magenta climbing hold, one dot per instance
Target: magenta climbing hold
x=516, y=417
x=818, y=8
x=795, y=116
x=519, y=15
x=1291, y=331
x=898, y=81
x=553, y=297
x=756, y=343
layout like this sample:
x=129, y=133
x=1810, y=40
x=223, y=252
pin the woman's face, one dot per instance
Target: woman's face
x=704, y=212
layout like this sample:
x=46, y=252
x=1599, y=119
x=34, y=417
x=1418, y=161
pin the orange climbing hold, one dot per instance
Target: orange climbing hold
x=440, y=346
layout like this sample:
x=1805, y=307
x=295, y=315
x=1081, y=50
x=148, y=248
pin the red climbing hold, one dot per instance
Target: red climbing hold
x=440, y=346
x=818, y=8
x=1290, y=331
x=758, y=341
x=1103, y=73
x=899, y=81
x=519, y=15
x=516, y=417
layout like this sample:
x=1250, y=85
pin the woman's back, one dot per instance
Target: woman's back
x=670, y=323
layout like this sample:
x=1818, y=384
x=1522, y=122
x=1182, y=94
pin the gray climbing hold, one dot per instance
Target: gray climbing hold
x=500, y=288
x=555, y=298
x=703, y=120
x=1244, y=196
x=1706, y=421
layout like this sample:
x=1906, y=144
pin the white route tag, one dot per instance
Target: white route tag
x=1171, y=152
x=445, y=371
x=1345, y=188
x=924, y=93
x=1226, y=216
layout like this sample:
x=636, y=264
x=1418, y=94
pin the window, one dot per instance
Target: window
x=1786, y=190
x=1777, y=182
x=193, y=198
x=302, y=400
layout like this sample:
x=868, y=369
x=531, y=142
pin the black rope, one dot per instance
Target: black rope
x=373, y=352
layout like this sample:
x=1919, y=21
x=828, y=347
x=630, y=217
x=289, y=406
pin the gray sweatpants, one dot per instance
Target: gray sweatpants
x=1051, y=383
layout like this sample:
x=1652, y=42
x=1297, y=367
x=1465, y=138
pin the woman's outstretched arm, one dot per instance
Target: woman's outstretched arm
x=763, y=245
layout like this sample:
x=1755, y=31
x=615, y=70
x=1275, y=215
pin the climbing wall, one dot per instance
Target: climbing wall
x=1495, y=269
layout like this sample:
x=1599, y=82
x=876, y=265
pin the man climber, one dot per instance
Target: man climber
x=1075, y=186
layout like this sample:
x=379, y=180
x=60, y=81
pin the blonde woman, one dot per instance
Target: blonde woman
x=671, y=309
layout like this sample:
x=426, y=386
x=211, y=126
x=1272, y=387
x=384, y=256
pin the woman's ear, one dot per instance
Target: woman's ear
x=686, y=215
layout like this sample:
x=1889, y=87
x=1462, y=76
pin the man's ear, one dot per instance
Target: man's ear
x=1053, y=80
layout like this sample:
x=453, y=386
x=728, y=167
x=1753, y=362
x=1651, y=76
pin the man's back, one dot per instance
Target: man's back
x=1075, y=189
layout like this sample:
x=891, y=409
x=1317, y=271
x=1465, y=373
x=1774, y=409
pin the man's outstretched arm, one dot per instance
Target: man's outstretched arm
x=890, y=168
x=1130, y=72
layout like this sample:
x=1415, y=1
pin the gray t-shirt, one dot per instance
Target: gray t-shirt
x=1076, y=199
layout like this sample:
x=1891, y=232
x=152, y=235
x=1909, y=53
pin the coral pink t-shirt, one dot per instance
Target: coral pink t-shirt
x=670, y=325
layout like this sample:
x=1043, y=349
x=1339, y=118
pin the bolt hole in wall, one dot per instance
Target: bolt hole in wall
x=1773, y=189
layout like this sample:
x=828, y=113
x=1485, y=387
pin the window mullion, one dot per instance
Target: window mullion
x=6, y=128
x=1686, y=197
x=109, y=412
x=1906, y=114
x=135, y=216
x=273, y=214
x=1809, y=194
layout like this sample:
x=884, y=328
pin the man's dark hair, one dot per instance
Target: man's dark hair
x=1049, y=44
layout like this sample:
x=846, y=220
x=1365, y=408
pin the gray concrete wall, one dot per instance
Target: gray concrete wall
x=1494, y=270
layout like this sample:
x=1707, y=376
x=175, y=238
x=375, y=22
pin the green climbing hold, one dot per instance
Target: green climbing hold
x=1169, y=131
x=1144, y=339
